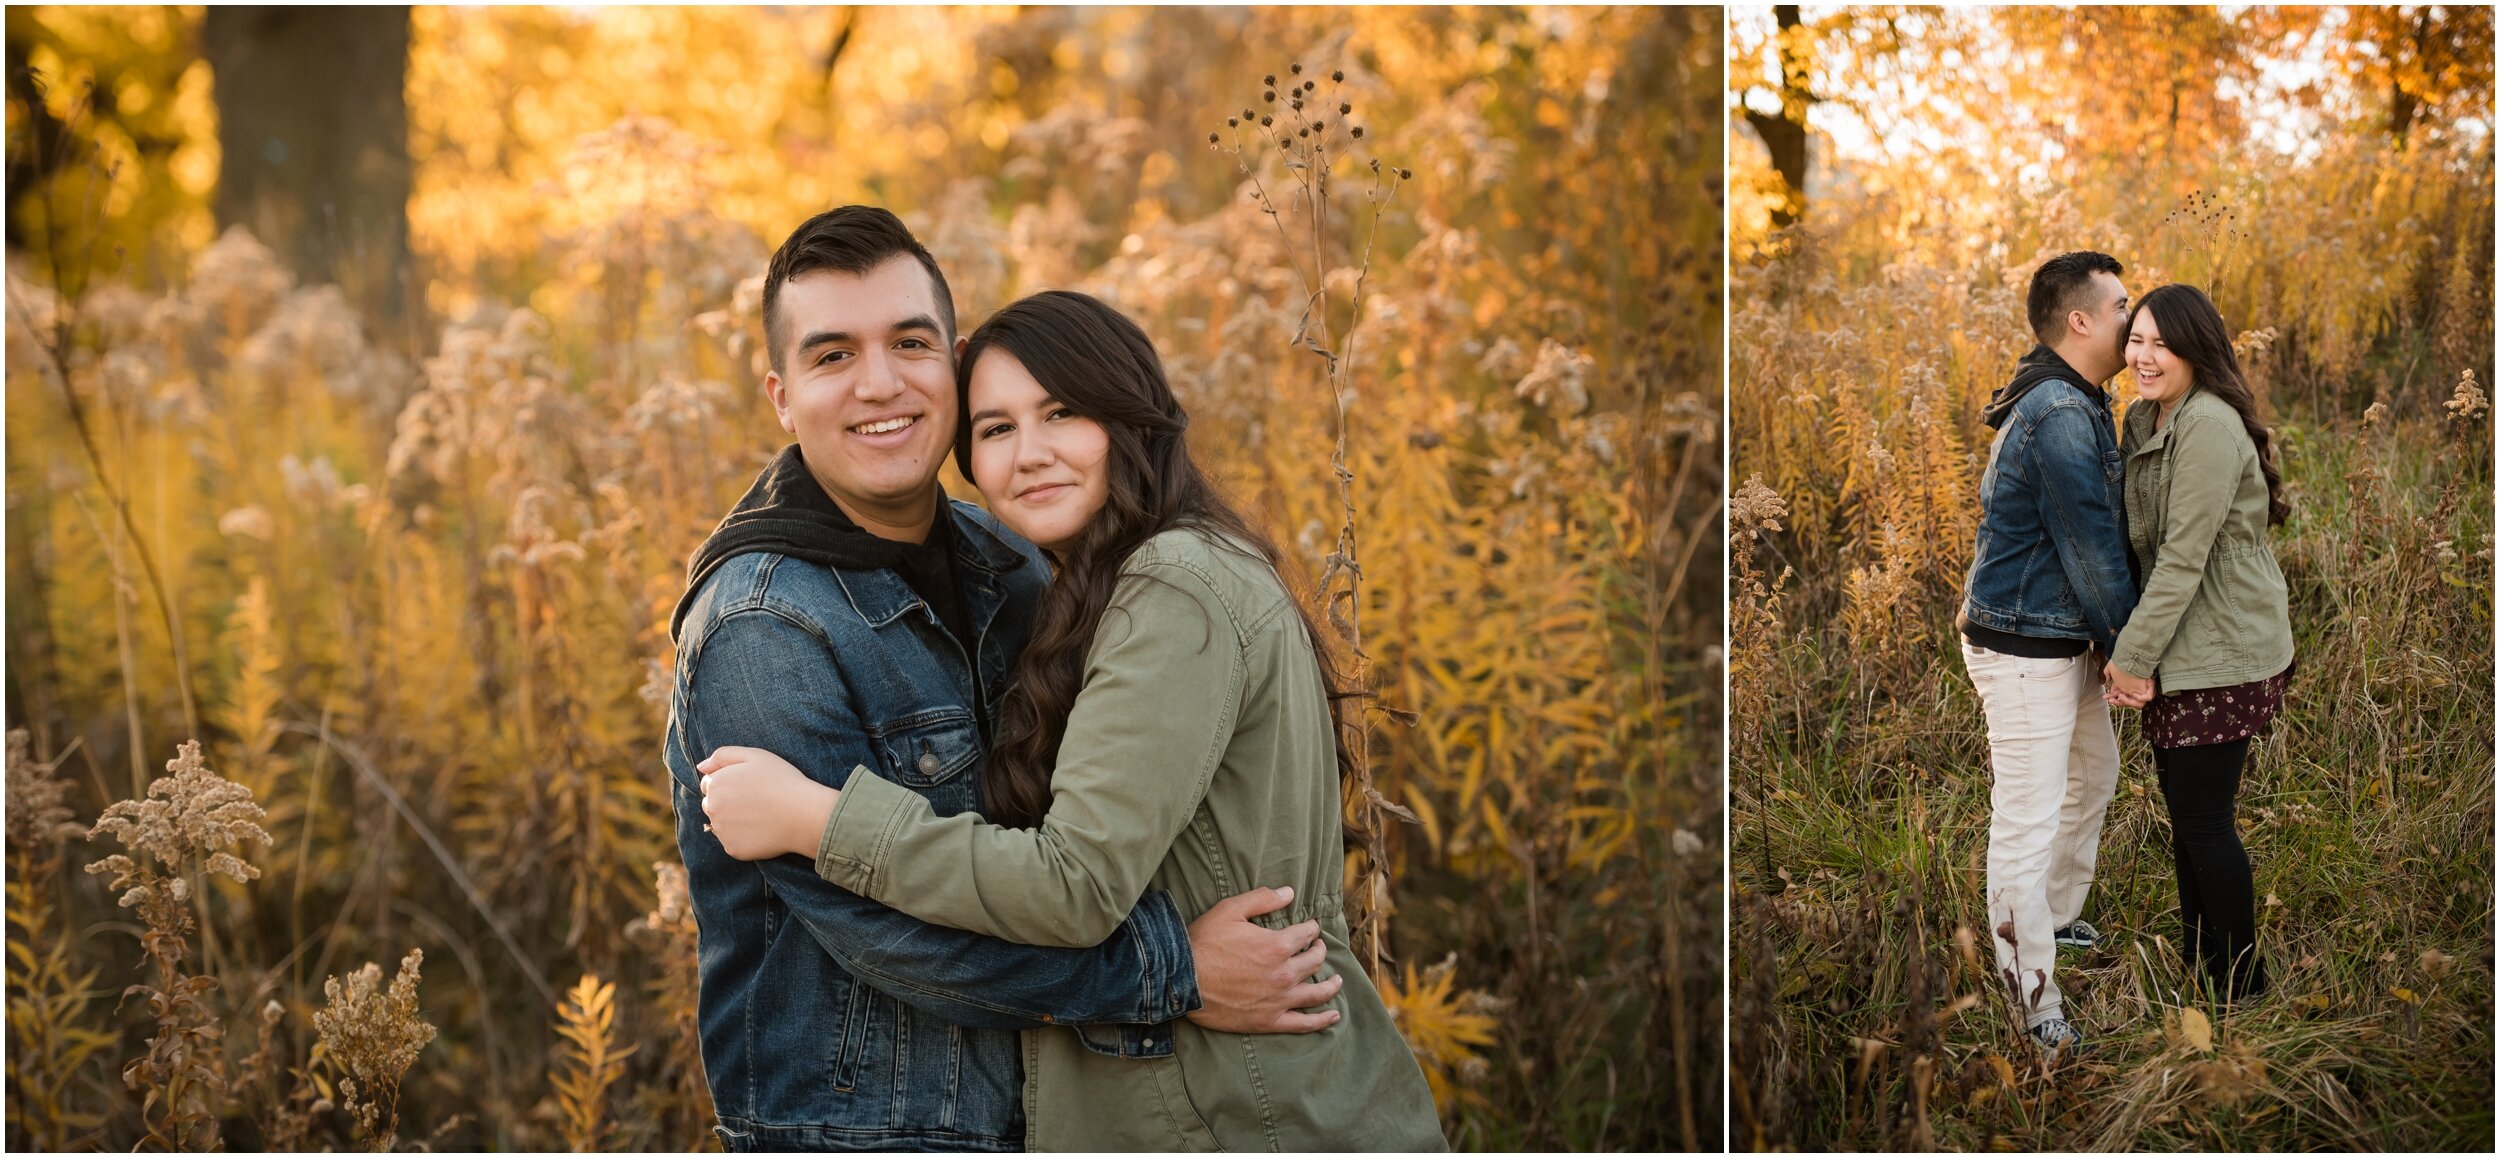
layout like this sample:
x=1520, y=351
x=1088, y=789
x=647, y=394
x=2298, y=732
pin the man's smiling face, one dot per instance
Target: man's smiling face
x=867, y=383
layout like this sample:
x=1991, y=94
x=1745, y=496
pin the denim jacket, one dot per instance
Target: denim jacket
x=830, y=1021
x=2051, y=561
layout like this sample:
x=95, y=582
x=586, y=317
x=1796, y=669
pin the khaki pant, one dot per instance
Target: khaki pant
x=2054, y=761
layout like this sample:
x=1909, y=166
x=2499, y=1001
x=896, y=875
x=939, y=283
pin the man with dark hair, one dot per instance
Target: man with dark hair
x=845, y=615
x=2050, y=581
x=854, y=239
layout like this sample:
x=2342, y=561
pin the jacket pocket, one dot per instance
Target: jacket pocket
x=852, y=1045
x=928, y=749
x=1190, y=1132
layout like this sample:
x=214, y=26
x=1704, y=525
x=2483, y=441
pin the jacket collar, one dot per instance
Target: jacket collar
x=2139, y=419
x=881, y=596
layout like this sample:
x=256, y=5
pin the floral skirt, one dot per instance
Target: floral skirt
x=2204, y=716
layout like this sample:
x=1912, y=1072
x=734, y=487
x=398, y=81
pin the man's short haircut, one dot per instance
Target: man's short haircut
x=854, y=239
x=2058, y=287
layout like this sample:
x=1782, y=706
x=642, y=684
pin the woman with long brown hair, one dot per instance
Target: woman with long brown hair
x=1173, y=724
x=2207, y=652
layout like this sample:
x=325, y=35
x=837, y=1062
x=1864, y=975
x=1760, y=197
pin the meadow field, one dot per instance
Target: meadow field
x=405, y=582
x=1869, y=321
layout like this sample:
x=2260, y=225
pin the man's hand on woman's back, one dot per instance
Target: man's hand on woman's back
x=1253, y=979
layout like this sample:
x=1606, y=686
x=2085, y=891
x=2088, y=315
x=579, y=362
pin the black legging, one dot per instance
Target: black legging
x=2217, y=893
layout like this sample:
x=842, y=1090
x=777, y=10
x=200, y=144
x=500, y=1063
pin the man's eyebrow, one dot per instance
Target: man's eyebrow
x=826, y=337
x=822, y=337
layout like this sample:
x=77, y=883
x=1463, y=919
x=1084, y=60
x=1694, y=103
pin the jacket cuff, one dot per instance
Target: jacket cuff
x=860, y=830
x=2133, y=658
x=1171, y=971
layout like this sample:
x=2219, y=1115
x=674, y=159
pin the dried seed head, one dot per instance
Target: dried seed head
x=1337, y=76
x=1343, y=109
x=1232, y=122
x=39, y=810
x=1297, y=70
x=1302, y=132
x=1269, y=97
x=1212, y=138
x=1319, y=124
x=1266, y=121
x=1269, y=80
x=373, y=1035
x=1406, y=174
x=192, y=815
x=1358, y=135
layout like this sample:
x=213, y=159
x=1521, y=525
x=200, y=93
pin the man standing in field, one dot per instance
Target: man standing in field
x=847, y=614
x=2049, y=582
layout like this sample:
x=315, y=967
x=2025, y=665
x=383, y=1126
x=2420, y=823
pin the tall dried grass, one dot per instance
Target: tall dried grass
x=1864, y=1014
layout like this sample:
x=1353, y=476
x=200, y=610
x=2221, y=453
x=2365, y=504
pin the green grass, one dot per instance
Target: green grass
x=1859, y=838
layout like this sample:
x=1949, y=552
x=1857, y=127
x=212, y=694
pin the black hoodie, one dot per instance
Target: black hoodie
x=787, y=512
x=2040, y=365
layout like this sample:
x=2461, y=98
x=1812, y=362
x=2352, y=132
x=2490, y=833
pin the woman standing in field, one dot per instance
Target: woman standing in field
x=2208, y=651
x=1172, y=725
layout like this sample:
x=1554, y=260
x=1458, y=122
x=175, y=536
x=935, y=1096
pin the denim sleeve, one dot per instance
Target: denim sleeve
x=2083, y=521
x=762, y=680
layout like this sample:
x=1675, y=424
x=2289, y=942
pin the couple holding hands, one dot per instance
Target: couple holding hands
x=2127, y=564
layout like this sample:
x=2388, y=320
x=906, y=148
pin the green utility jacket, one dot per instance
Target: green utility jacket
x=1199, y=759
x=2214, y=611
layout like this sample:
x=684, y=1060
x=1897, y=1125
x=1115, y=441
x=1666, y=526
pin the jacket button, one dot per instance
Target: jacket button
x=928, y=764
x=1146, y=1043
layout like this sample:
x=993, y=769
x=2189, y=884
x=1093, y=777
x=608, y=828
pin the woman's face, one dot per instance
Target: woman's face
x=1040, y=465
x=2160, y=376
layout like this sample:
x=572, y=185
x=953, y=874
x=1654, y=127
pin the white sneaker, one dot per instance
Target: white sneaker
x=2056, y=1035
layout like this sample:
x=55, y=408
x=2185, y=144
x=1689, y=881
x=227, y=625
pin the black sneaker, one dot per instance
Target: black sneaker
x=2080, y=935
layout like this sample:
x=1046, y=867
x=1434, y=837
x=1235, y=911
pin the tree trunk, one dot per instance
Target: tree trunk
x=1785, y=134
x=312, y=120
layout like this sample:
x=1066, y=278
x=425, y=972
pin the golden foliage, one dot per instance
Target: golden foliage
x=588, y=1064
x=48, y=993
x=1443, y=1028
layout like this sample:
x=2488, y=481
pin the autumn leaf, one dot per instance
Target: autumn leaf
x=2196, y=1029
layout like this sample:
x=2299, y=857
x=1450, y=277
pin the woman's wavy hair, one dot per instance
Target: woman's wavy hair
x=2192, y=328
x=1099, y=364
